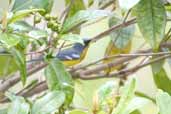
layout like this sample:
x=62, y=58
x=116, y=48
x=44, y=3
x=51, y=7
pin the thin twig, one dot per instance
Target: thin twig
x=38, y=88
x=107, y=4
x=117, y=62
x=65, y=13
x=135, y=54
x=38, y=52
x=125, y=72
x=115, y=27
x=93, y=22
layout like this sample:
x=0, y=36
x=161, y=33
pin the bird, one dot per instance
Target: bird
x=74, y=54
x=70, y=56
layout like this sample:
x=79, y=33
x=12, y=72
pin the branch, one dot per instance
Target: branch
x=66, y=11
x=120, y=61
x=125, y=72
x=113, y=28
x=42, y=86
x=120, y=56
x=15, y=79
x=37, y=89
x=110, y=65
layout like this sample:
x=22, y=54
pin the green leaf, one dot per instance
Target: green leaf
x=127, y=4
x=75, y=38
x=163, y=100
x=38, y=34
x=90, y=2
x=9, y=40
x=21, y=63
x=59, y=79
x=168, y=8
x=126, y=97
x=107, y=92
x=140, y=94
x=76, y=111
x=162, y=81
x=48, y=103
x=75, y=7
x=3, y=111
x=121, y=37
x=19, y=106
x=21, y=14
x=21, y=26
x=8, y=65
x=151, y=19
x=136, y=103
x=157, y=66
x=26, y=4
x=136, y=112
x=82, y=17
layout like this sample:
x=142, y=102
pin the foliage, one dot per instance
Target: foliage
x=31, y=39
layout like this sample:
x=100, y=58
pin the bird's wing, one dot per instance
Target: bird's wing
x=68, y=54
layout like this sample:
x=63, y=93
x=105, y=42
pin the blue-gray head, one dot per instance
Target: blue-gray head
x=80, y=47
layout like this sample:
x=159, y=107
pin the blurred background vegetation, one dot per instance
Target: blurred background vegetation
x=85, y=90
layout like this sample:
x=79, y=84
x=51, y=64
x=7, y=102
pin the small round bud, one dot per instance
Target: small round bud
x=37, y=19
x=55, y=27
x=50, y=23
x=47, y=17
x=54, y=17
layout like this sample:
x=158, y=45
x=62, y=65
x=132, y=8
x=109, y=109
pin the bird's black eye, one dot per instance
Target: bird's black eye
x=86, y=42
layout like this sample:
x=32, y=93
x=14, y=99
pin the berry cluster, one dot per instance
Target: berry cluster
x=52, y=21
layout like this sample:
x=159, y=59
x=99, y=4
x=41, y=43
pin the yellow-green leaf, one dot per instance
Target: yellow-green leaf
x=19, y=15
x=77, y=112
x=48, y=103
x=8, y=65
x=81, y=17
x=20, y=60
x=26, y=4
x=123, y=36
x=9, y=40
x=151, y=19
x=18, y=105
x=76, y=6
x=75, y=38
x=162, y=81
x=163, y=100
x=59, y=79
